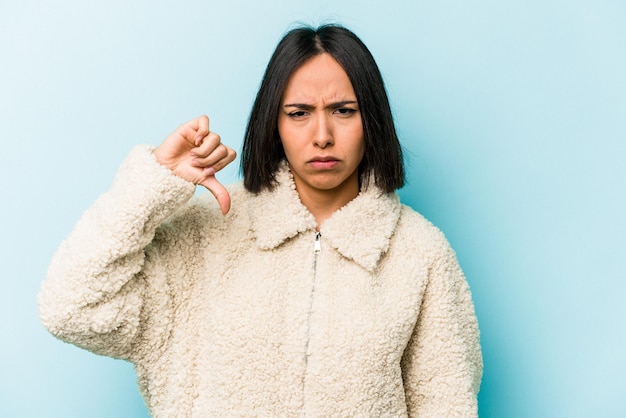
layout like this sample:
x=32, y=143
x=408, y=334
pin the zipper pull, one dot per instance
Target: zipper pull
x=317, y=248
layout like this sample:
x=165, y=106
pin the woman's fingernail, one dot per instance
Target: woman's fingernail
x=209, y=171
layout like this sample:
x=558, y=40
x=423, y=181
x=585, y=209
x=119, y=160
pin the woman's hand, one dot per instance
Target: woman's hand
x=195, y=154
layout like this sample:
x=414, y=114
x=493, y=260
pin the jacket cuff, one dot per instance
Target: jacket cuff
x=142, y=178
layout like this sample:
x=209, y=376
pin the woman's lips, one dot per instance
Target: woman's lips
x=323, y=163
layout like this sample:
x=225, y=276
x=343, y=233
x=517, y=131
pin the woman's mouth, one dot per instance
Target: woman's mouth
x=323, y=163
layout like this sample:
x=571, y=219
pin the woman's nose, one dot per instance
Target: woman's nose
x=323, y=136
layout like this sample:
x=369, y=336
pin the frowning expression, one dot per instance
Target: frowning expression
x=320, y=127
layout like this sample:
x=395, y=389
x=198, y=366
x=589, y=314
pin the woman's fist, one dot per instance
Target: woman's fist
x=195, y=154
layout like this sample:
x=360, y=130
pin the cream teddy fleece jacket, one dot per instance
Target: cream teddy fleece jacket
x=254, y=314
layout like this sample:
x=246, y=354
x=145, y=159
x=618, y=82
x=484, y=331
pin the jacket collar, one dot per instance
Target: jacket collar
x=360, y=231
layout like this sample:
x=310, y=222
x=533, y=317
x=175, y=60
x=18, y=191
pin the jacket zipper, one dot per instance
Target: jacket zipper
x=317, y=249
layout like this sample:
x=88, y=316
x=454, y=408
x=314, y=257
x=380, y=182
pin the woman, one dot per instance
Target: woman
x=317, y=294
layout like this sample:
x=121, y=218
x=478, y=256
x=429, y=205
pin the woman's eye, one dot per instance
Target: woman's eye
x=297, y=114
x=345, y=111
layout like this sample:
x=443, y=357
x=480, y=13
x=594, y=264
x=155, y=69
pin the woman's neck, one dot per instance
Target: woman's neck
x=323, y=203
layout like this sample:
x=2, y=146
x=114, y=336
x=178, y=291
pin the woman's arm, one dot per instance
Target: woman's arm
x=442, y=365
x=93, y=293
x=95, y=290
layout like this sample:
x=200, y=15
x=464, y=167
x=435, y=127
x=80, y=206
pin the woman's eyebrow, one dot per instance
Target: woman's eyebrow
x=330, y=105
x=300, y=105
x=342, y=103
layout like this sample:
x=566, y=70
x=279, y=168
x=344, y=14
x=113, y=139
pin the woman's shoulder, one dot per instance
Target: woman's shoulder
x=414, y=220
x=415, y=229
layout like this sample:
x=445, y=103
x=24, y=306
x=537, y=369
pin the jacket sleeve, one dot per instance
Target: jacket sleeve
x=442, y=365
x=94, y=289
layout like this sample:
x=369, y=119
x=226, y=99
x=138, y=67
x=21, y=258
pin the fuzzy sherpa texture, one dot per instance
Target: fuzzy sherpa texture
x=238, y=316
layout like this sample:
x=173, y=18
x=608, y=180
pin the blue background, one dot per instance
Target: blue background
x=512, y=113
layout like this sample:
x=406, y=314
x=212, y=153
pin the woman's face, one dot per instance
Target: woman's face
x=320, y=127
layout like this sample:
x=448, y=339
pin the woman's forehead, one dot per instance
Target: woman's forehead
x=320, y=78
